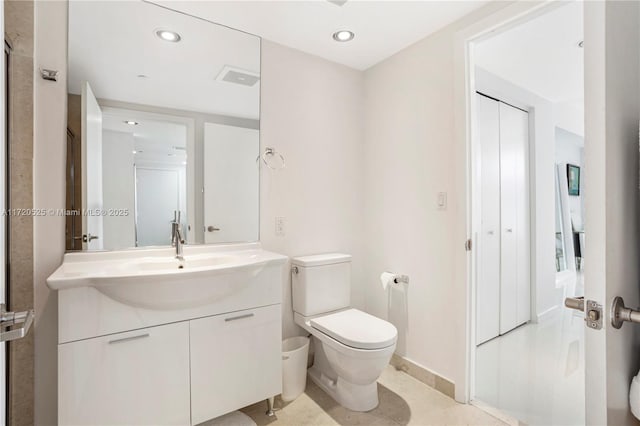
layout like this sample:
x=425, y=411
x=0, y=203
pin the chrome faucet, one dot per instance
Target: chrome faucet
x=176, y=235
x=179, y=243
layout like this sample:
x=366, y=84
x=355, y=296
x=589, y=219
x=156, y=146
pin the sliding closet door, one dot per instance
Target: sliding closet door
x=514, y=216
x=488, y=288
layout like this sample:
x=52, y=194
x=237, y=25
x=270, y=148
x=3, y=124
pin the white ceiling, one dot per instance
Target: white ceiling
x=112, y=42
x=541, y=55
x=154, y=140
x=382, y=28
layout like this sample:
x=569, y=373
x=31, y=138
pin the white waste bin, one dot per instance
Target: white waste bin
x=295, y=351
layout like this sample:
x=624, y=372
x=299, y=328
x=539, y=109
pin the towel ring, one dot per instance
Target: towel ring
x=269, y=153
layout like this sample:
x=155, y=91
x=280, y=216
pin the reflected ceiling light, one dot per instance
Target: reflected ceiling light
x=131, y=122
x=134, y=152
x=343, y=35
x=167, y=35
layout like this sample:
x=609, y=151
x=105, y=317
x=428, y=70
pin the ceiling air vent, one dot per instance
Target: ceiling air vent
x=238, y=76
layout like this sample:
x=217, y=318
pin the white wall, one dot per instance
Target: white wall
x=48, y=192
x=118, y=189
x=569, y=117
x=311, y=112
x=411, y=154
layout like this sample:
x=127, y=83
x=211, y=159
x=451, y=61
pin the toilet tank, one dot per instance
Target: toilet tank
x=321, y=283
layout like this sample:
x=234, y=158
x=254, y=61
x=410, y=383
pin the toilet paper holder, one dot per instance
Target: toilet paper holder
x=387, y=278
x=401, y=279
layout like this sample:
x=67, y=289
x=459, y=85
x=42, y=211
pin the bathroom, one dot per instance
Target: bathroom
x=357, y=135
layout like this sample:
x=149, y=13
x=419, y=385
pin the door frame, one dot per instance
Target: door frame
x=466, y=148
x=109, y=107
x=158, y=168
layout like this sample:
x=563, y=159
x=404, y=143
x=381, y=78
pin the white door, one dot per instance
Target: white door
x=157, y=198
x=514, y=222
x=231, y=188
x=91, y=147
x=612, y=221
x=503, y=292
x=488, y=291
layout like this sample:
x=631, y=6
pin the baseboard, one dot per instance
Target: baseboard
x=427, y=377
x=498, y=414
x=546, y=314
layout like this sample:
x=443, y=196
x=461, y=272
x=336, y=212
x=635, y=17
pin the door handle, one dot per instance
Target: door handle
x=8, y=319
x=88, y=238
x=576, y=303
x=620, y=313
x=212, y=228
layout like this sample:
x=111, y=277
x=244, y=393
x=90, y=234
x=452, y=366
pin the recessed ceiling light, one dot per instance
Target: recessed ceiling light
x=581, y=43
x=343, y=35
x=134, y=152
x=167, y=35
x=131, y=122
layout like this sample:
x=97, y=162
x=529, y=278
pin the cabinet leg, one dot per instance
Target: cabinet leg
x=270, y=410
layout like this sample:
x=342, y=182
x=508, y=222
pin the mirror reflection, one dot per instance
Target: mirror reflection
x=163, y=128
x=561, y=259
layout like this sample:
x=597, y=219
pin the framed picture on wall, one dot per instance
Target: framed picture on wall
x=573, y=177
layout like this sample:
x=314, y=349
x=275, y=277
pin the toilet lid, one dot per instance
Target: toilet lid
x=357, y=329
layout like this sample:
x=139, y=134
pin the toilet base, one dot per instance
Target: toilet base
x=349, y=395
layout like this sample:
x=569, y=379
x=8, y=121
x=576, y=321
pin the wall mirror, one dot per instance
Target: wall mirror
x=163, y=125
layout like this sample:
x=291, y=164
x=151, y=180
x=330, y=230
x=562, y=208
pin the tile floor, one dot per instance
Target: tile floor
x=403, y=401
x=535, y=373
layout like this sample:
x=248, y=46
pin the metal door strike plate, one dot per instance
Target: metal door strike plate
x=593, y=315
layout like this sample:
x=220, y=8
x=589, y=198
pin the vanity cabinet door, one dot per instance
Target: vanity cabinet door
x=134, y=378
x=235, y=361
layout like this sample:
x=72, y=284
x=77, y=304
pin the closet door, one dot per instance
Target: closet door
x=514, y=214
x=488, y=289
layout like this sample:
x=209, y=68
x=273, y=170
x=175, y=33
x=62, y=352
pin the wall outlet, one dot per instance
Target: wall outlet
x=442, y=201
x=280, y=226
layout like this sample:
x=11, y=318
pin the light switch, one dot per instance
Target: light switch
x=442, y=200
x=280, y=226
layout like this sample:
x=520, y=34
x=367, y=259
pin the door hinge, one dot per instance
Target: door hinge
x=468, y=245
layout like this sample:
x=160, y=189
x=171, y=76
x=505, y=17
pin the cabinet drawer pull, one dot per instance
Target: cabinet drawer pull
x=238, y=317
x=126, y=339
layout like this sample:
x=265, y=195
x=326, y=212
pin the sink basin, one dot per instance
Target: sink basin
x=156, y=279
x=188, y=262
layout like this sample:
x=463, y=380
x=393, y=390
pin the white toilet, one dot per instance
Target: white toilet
x=351, y=347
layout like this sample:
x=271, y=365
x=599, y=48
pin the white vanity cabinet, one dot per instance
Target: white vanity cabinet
x=235, y=360
x=138, y=377
x=176, y=374
x=167, y=346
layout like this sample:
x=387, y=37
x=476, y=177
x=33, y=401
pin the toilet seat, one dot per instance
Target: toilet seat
x=356, y=329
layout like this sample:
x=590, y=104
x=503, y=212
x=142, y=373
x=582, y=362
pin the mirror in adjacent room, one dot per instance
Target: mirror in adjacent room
x=163, y=126
x=561, y=257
